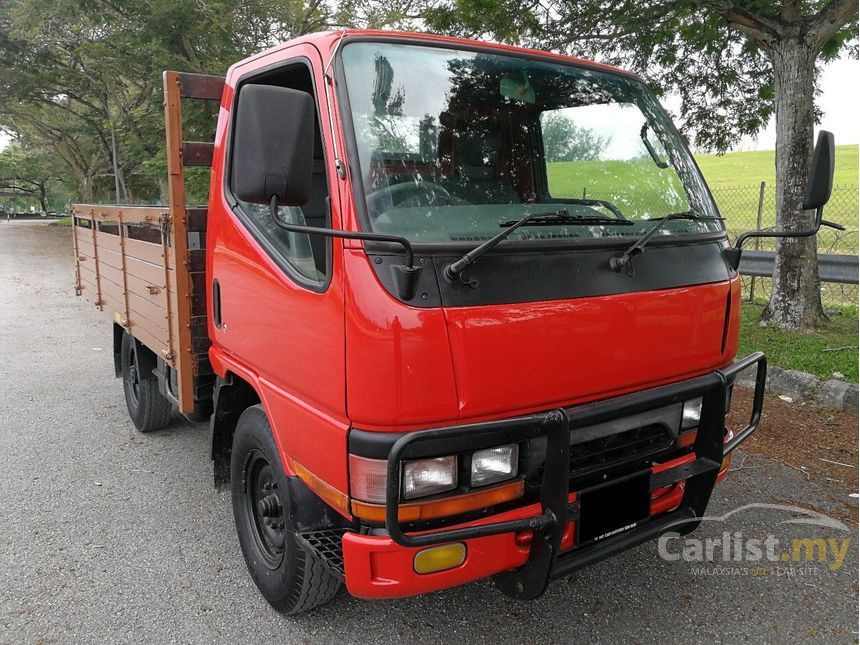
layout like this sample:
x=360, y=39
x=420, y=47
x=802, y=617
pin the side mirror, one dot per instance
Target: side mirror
x=273, y=145
x=272, y=161
x=819, y=185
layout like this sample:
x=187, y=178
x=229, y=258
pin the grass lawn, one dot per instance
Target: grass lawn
x=805, y=351
x=734, y=179
x=732, y=170
x=750, y=168
x=62, y=221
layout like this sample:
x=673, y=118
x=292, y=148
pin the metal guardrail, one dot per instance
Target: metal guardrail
x=842, y=269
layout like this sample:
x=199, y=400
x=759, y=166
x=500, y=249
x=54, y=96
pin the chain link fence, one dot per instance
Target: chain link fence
x=754, y=208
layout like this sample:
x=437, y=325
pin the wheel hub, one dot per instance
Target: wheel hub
x=269, y=506
x=266, y=509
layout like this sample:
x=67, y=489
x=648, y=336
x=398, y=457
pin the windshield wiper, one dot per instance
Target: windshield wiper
x=619, y=262
x=451, y=271
x=562, y=217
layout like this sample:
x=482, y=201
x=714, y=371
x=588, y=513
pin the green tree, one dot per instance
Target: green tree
x=32, y=176
x=563, y=140
x=734, y=63
x=83, y=78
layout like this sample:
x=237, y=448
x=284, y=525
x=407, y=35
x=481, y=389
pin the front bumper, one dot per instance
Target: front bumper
x=379, y=566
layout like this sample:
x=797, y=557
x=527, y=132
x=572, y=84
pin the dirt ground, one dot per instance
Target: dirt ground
x=817, y=441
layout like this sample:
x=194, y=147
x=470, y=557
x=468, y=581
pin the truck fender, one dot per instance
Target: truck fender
x=231, y=396
x=147, y=360
x=118, y=331
x=309, y=513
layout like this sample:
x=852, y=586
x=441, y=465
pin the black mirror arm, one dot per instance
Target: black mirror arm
x=734, y=254
x=819, y=186
x=405, y=275
x=817, y=224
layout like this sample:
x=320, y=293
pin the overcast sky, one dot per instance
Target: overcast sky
x=839, y=100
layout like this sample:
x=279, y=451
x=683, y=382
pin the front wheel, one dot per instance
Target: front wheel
x=148, y=409
x=291, y=578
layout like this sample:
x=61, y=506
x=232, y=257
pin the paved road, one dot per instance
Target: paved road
x=107, y=535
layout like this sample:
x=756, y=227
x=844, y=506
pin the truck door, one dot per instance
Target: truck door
x=281, y=305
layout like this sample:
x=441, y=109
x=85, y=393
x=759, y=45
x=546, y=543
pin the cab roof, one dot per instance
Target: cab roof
x=327, y=42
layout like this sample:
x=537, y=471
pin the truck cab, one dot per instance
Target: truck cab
x=433, y=418
x=471, y=311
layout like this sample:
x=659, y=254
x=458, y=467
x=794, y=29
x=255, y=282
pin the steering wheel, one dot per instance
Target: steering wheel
x=376, y=200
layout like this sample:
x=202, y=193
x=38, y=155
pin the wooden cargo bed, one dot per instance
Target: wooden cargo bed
x=144, y=266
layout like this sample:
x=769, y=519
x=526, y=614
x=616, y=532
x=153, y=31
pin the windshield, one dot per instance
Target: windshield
x=453, y=144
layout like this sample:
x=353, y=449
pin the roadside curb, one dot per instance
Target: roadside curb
x=802, y=386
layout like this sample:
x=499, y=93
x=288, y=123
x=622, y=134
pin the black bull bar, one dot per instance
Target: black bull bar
x=544, y=563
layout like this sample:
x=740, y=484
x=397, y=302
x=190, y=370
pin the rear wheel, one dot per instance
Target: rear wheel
x=148, y=409
x=290, y=577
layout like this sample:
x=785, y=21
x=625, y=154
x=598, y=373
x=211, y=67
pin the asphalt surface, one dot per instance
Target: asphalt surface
x=107, y=535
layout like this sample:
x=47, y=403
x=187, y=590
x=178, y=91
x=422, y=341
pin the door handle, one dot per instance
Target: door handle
x=216, y=303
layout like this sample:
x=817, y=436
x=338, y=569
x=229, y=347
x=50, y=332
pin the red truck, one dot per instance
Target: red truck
x=455, y=310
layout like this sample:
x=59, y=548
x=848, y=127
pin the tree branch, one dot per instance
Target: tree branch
x=833, y=17
x=760, y=29
x=791, y=10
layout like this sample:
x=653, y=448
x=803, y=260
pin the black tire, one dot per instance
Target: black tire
x=291, y=578
x=148, y=409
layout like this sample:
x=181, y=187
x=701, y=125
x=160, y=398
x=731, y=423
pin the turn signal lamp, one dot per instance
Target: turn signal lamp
x=445, y=506
x=440, y=558
x=367, y=479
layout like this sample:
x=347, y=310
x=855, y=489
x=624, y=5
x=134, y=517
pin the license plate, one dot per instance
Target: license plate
x=614, y=508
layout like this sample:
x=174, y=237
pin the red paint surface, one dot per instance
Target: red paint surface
x=540, y=355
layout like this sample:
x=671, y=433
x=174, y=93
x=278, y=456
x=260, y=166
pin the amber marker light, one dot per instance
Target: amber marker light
x=326, y=491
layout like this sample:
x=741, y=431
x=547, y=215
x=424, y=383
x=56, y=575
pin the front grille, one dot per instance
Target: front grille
x=619, y=448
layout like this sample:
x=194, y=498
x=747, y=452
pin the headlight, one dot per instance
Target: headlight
x=692, y=413
x=494, y=464
x=425, y=477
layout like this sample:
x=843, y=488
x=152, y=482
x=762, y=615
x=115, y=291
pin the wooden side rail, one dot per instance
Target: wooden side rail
x=199, y=86
x=122, y=266
x=197, y=153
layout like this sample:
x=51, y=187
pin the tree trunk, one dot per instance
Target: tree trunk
x=84, y=186
x=795, y=299
x=164, y=195
x=43, y=197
